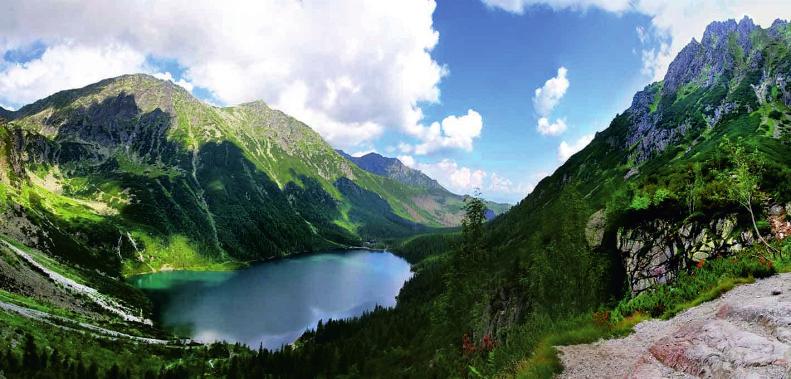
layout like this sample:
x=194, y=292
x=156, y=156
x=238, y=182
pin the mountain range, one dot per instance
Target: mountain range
x=394, y=169
x=138, y=165
x=682, y=196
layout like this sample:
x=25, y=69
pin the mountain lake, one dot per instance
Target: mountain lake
x=273, y=303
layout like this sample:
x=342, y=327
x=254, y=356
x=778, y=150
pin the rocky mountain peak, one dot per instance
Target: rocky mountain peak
x=718, y=32
x=725, y=58
x=257, y=104
x=147, y=93
x=393, y=168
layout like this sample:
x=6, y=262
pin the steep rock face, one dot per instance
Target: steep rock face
x=654, y=251
x=733, y=69
x=10, y=162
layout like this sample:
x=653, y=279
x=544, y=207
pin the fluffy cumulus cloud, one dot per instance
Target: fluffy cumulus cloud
x=63, y=66
x=519, y=6
x=546, y=127
x=454, y=132
x=407, y=160
x=168, y=76
x=546, y=98
x=348, y=68
x=457, y=178
x=566, y=150
x=465, y=180
x=673, y=22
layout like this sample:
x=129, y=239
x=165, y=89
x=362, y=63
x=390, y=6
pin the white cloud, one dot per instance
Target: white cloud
x=519, y=6
x=348, y=68
x=65, y=66
x=181, y=82
x=548, y=96
x=454, y=132
x=566, y=150
x=551, y=128
x=459, y=179
x=407, y=160
x=464, y=180
x=642, y=34
x=498, y=183
x=673, y=22
x=656, y=61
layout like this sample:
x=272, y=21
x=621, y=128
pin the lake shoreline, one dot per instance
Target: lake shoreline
x=274, y=304
x=232, y=265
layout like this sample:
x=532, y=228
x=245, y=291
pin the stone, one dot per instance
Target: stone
x=594, y=229
x=717, y=348
x=777, y=210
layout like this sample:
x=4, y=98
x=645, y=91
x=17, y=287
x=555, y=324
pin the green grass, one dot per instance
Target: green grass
x=722, y=286
x=657, y=97
x=696, y=286
x=174, y=253
x=544, y=361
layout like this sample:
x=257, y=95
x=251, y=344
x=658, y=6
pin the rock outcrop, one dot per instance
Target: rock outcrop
x=654, y=251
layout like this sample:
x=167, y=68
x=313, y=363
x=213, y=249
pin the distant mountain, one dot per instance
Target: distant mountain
x=394, y=169
x=4, y=113
x=138, y=165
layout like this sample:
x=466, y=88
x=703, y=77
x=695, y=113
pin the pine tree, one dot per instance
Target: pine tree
x=30, y=358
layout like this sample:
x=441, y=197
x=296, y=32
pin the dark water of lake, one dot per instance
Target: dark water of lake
x=273, y=303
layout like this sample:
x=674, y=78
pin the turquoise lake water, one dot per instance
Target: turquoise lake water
x=273, y=303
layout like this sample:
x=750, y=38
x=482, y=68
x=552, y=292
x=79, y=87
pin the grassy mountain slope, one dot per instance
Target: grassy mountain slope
x=138, y=165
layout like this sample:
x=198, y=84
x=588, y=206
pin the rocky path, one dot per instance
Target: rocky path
x=744, y=334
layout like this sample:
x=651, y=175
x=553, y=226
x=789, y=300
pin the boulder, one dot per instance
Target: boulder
x=719, y=349
x=594, y=230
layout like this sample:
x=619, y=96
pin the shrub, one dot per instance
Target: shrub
x=640, y=202
x=706, y=282
x=661, y=195
x=763, y=226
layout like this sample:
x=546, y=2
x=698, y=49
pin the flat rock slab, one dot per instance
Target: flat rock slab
x=744, y=334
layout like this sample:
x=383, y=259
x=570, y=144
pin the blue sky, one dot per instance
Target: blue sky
x=496, y=61
x=448, y=86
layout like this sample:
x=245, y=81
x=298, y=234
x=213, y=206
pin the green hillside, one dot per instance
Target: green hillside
x=138, y=165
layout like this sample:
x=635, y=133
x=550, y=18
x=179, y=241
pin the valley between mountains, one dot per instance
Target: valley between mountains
x=630, y=246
